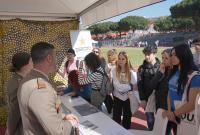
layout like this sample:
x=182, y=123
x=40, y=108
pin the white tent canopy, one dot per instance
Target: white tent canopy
x=90, y=11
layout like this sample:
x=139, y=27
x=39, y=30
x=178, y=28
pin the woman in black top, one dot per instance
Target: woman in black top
x=159, y=82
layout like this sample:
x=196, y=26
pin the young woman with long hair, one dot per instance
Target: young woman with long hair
x=124, y=79
x=183, y=67
x=93, y=63
x=112, y=58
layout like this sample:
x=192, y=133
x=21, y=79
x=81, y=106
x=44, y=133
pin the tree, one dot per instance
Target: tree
x=114, y=26
x=187, y=9
x=103, y=27
x=182, y=23
x=93, y=29
x=169, y=23
x=100, y=28
x=133, y=22
x=164, y=24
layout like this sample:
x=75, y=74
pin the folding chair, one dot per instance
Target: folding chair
x=159, y=128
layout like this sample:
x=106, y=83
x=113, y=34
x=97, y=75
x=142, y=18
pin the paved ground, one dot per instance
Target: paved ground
x=139, y=120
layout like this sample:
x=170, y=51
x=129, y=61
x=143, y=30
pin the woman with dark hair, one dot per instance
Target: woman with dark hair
x=71, y=70
x=95, y=78
x=71, y=63
x=183, y=68
x=21, y=65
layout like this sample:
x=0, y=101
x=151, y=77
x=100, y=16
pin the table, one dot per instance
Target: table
x=92, y=124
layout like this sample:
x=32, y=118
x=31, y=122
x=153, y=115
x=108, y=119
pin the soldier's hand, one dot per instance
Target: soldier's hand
x=72, y=119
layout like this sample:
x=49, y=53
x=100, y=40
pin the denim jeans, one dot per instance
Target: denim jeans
x=150, y=120
x=84, y=92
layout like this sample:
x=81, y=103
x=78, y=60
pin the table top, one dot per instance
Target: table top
x=92, y=121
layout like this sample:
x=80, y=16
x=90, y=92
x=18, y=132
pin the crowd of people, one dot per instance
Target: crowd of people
x=168, y=80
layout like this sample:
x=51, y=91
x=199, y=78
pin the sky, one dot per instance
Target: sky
x=155, y=10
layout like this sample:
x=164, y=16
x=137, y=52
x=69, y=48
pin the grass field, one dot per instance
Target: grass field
x=135, y=54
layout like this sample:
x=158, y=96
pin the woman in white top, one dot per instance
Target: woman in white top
x=112, y=58
x=124, y=80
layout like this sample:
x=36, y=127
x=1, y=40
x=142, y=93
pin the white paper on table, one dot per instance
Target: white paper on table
x=84, y=131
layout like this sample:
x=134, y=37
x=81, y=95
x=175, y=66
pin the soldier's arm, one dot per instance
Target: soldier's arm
x=42, y=103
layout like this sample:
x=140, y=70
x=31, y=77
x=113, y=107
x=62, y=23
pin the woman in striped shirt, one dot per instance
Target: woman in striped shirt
x=93, y=63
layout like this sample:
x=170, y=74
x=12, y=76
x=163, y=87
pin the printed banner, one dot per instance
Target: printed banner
x=81, y=43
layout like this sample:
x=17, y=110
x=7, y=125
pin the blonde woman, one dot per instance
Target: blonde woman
x=112, y=58
x=124, y=79
x=97, y=51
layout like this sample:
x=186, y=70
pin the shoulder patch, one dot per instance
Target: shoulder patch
x=41, y=83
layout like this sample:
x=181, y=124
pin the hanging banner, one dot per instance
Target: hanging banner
x=81, y=43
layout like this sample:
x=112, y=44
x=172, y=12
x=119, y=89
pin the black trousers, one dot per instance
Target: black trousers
x=120, y=108
x=171, y=126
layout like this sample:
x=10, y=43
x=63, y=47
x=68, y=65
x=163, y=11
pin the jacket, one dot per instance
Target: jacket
x=159, y=83
x=146, y=72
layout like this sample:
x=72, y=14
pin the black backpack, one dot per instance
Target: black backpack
x=106, y=85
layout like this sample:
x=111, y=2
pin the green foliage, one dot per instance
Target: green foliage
x=182, y=23
x=100, y=28
x=114, y=26
x=163, y=24
x=187, y=9
x=168, y=23
x=125, y=24
x=92, y=29
x=133, y=22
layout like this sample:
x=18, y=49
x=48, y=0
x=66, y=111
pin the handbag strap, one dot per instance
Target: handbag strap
x=187, y=86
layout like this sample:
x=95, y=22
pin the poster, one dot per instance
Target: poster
x=81, y=43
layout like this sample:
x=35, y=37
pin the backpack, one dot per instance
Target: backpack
x=106, y=85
